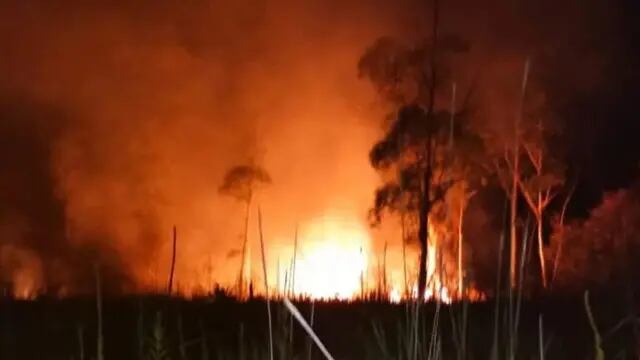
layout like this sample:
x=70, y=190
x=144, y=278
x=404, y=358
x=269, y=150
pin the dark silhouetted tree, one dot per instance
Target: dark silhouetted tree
x=415, y=155
x=241, y=182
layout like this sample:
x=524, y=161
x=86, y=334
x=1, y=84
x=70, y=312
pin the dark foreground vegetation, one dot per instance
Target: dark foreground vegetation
x=155, y=327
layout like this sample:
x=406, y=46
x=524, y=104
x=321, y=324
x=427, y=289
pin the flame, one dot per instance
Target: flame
x=436, y=282
x=25, y=278
x=330, y=262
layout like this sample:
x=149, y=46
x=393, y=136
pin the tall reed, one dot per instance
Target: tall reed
x=99, y=340
x=266, y=284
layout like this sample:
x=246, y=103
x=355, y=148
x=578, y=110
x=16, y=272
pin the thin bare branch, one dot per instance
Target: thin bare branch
x=527, y=196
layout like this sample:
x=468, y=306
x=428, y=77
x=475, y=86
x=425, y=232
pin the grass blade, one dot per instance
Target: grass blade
x=296, y=314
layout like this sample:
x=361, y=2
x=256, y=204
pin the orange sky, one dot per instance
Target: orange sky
x=157, y=99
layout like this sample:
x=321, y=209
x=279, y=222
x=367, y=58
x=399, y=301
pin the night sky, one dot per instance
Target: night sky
x=603, y=125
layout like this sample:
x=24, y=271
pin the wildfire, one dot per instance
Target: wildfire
x=331, y=261
x=437, y=281
x=333, y=258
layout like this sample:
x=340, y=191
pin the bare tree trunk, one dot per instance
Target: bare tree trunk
x=244, y=249
x=513, y=218
x=515, y=169
x=362, y=291
x=384, y=271
x=423, y=237
x=293, y=265
x=404, y=256
x=173, y=260
x=541, y=204
x=279, y=290
x=266, y=283
x=293, y=282
x=543, y=267
x=516, y=177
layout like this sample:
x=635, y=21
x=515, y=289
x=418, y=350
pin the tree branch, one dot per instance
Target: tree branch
x=548, y=197
x=527, y=196
x=535, y=161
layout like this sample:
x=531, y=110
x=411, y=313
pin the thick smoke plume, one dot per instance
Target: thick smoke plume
x=119, y=119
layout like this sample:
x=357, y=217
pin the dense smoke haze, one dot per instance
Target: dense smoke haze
x=119, y=120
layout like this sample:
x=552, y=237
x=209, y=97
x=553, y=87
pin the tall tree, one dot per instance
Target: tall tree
x=526, y=165
x=240, y=182
x=542, y=173
x=415, y=153
x=506, y=154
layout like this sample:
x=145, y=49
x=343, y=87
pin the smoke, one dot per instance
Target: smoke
x=120, y=119
x=38, y=244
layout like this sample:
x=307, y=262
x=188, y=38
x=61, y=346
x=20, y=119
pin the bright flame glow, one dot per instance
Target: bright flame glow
x=330, y=262
x=25, y=285
x=333, y=261
x=436, y=288
x=394, y=295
